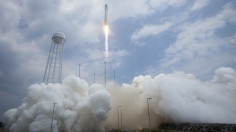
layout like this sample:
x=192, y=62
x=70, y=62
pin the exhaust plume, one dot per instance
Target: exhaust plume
x=106, y=32
x=176, y=97
x=79, y=107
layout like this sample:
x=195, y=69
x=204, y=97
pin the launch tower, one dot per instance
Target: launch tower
x=53, y=71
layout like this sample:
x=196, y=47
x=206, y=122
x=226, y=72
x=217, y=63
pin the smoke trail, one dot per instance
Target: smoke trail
x=176, y=97
x=106, y=32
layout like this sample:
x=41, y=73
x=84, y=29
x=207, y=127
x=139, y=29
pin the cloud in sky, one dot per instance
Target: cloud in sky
x=150, y=30
x=199, y=39
x=199, y=4
x=192, y=36
x=162, y=5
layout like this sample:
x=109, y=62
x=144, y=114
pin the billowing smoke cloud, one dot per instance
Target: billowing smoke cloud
x=79, y=107
x=176, y=97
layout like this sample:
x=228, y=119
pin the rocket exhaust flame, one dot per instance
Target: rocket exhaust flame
x=106, y=32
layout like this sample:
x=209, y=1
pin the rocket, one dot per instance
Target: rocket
x=105, y=18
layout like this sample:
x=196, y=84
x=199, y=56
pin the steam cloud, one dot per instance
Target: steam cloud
x=176, y=97
x=79, y=107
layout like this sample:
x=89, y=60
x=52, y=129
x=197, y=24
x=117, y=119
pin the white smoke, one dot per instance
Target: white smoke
x=176, y=97
x=77, y=107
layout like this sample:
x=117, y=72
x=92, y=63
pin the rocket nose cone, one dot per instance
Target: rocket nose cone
x=106, y=6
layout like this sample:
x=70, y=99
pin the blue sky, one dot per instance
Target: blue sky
x=147, y=37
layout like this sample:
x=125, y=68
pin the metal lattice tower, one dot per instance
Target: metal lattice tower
x=53, y=71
